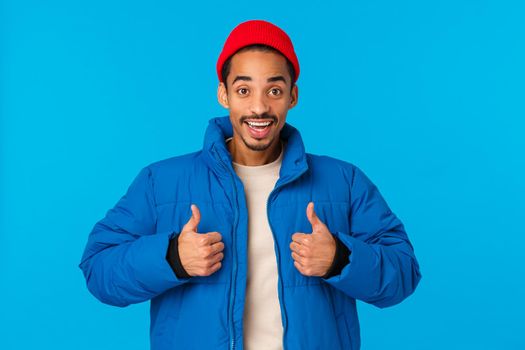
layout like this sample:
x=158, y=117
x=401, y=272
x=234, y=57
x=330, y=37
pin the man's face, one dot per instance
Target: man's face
x=258, y=92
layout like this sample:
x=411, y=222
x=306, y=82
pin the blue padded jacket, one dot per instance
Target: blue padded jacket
x=124, y=261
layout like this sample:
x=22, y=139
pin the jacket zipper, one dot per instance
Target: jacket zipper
x=281, y=290
x=234, y=251
x=284, y=316
x=234, y=268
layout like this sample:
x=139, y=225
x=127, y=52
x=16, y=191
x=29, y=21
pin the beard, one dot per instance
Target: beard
x=258, y=147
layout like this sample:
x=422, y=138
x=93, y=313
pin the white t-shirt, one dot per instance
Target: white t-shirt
x=262, y=323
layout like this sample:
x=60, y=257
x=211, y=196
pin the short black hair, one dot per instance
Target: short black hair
x=225, y=71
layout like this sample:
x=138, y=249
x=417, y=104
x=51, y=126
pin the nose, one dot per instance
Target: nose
x=259, y=104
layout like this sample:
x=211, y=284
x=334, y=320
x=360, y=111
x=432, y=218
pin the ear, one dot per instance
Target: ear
x=222, y=95
x=294, y=96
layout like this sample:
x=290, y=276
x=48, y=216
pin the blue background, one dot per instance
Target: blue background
x=426, y=98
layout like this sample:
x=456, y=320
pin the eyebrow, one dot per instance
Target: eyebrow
x=241, y=77
x=276, y=78
x=269, y=80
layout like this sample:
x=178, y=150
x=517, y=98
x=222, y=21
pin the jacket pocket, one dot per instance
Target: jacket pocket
x=344, y=335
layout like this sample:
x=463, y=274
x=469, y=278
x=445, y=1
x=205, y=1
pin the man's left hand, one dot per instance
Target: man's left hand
x=313, y=253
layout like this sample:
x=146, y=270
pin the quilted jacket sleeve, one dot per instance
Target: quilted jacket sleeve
x=124, y=261
x=383, y=269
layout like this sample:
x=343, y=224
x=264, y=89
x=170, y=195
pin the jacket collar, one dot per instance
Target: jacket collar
x=219, y=158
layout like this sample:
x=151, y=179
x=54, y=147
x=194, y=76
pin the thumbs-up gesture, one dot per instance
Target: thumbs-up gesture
x=313, y=253
x=200, y=253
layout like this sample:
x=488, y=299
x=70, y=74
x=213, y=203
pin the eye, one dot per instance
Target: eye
x=242, y=91
x=275, y=92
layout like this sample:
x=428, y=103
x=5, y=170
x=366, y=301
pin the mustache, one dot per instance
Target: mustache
x=259, y=116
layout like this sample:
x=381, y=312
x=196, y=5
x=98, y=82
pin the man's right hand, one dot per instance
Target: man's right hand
x=200, y=253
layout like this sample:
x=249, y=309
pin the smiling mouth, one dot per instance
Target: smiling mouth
x=259, y=129
x=259, y=125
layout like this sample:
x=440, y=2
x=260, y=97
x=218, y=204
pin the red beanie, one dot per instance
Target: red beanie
x=258, y=32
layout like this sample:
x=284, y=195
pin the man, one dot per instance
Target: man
x=251, y=242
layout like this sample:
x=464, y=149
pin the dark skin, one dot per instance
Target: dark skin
x=259, y=88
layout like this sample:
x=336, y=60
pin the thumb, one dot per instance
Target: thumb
x=194, y=220
x=317, y=224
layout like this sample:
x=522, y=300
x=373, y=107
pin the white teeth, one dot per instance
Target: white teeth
x=259, y=124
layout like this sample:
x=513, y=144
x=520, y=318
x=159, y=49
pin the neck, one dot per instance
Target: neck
x=243, y=155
